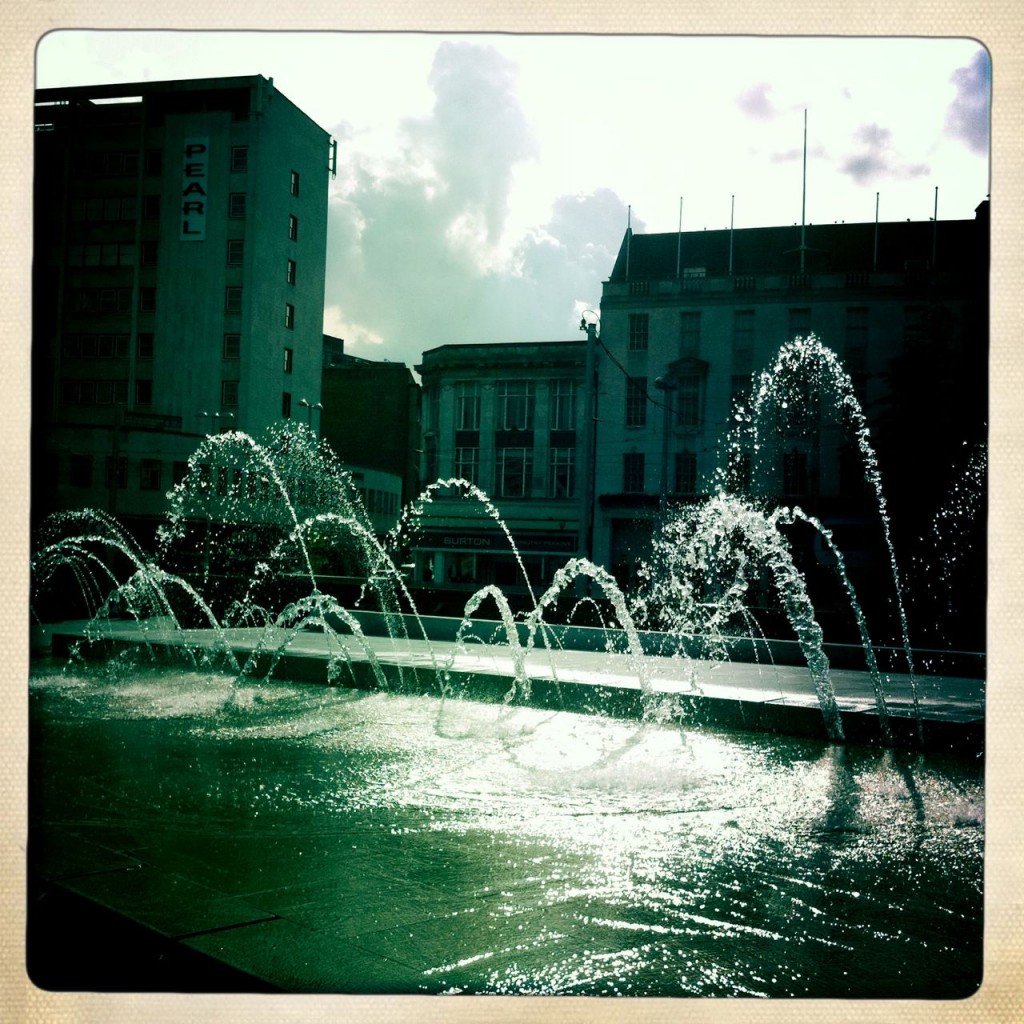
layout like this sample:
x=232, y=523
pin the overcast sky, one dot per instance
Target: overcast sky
x=484, y=181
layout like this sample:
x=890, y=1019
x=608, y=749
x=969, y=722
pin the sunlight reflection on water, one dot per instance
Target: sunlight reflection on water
x=571, y=853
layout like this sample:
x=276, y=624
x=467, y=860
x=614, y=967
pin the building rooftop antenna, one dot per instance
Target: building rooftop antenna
x=803, y=204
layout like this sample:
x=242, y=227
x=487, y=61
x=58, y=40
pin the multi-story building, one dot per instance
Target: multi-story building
x=687, y=318
x=508, y=419
x=180, y=248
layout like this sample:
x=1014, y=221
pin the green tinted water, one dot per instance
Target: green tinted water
x=459, y=847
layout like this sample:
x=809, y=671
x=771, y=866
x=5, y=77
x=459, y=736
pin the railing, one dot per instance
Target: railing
x=667, y=287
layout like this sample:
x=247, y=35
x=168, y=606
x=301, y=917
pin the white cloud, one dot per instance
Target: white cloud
x=967, y=118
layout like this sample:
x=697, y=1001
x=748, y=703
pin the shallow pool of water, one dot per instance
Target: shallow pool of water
x=405, y=843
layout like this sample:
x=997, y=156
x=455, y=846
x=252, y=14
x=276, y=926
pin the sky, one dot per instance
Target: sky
x=485, y=182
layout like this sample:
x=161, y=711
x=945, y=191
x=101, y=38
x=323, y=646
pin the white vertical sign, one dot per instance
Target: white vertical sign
x=194, y=168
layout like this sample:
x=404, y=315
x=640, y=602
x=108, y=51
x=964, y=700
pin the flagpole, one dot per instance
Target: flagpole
x=629, y=235
x=732, y=218
x=803, y=206
x=679, y=243
x=874, y=262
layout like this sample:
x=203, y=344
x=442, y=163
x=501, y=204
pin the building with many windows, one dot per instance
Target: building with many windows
x=688, y=318
x=508, y=419
x=178, y=281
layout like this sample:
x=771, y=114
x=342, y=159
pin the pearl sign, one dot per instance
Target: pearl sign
x=195, y=154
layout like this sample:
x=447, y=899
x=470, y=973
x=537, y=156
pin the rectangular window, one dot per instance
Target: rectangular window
x=515, y=404
x=636, y=401
x=239, y=158
x=147, y=300
x=232, y=346
x=151, y=207
x=229, y=394
x=515, y=468
x=743, y=340
x=119, y=209
x=293, y=184
x=289, y=316
x=633, y=473
x=144, y=392
x=81, y=470
x=293, y=227
x=286, y=405
x=686, y=473
x=101, y=300
x=179, y=470
x=105, y=254
x=562, y=482
x=689, y=333
x=288, y=360
x=149, y=251
x=150, y=473
x=467, y=464
x=290, y=272
x=112, y=208
x=233, y=299
x=639, y=324
x=563, y=405
x=154, y=161
x=690, y=400
x=144, y=346
x=236, y=205
x=799, y=322
x=855, y=349
x=467, y=405
x=236, y=249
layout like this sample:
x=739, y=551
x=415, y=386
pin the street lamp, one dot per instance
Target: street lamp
x=668, y=386
x=309, y=410
x=589, y=324
x=217, y=417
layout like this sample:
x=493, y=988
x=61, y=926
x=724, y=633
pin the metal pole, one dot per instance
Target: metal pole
x=803, y=206
x=629, y=235
x=666, y=387
x=679, y=242
x=874, y=262
x=732, y=220
x=589, y=447
x=935, y=227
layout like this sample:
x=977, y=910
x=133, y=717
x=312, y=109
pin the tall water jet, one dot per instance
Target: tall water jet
x=788, y=396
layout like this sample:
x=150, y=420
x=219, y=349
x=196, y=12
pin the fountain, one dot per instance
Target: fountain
x=578, y=822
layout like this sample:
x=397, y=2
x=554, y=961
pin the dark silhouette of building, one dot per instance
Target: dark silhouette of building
x=371, y=416
x=178, y=281
x=689, y=319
